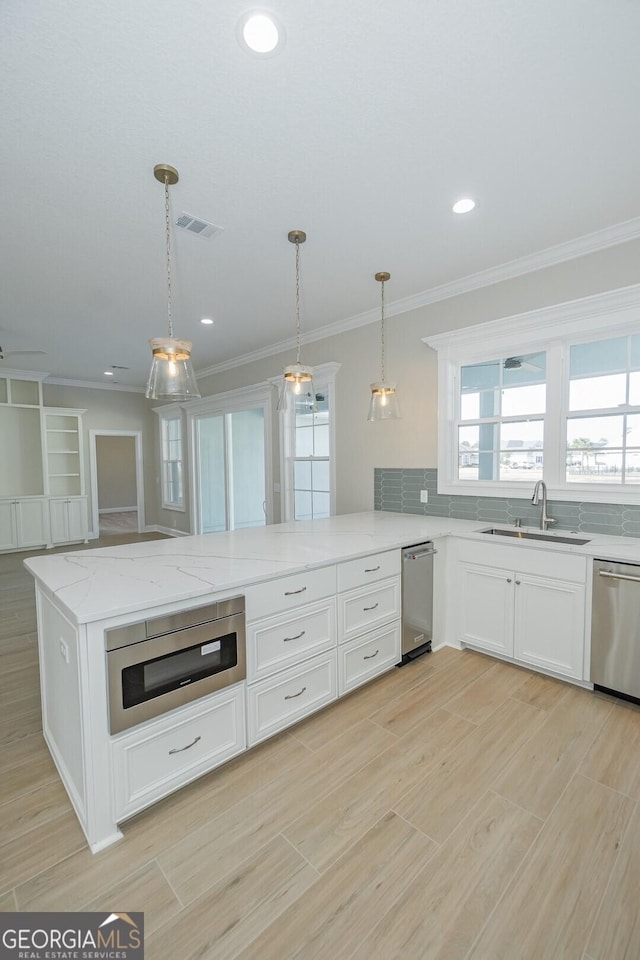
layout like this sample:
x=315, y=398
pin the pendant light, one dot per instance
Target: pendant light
x=171, y=376
x=297, y=383
x=384, y=400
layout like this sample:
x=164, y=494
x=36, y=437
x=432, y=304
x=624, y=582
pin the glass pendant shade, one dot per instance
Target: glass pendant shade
x=297, y=389
x=384, y=399
x=171, y=376
x=384, y=402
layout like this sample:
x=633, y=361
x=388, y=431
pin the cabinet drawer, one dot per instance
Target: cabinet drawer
x=286, y=639
x=279, y=701
x=362, y=610
x=287, y=593
x=377, y=566
x=162, y=756
x=367, y=657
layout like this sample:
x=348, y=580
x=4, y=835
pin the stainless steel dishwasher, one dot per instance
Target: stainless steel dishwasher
x=417, y=600
x=615, y=629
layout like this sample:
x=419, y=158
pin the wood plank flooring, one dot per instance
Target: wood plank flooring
x=458, y=809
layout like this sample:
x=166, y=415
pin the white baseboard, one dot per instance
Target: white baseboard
x=169, y=531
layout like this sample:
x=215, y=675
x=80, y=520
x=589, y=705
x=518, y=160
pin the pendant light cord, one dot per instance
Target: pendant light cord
x=167, y=223
x=382, y=331
x=297, y=301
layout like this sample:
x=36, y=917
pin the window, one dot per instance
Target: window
x=501, y=422
x=308, y=469
x=171, y=473
x=553, y=395
x=603, y=422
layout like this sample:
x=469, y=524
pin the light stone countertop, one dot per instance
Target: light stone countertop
x=92, y=585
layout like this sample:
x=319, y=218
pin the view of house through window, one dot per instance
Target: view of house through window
x=603, y=423
x=502, y=404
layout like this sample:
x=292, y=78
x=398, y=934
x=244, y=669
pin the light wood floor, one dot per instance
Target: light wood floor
x=457, y=808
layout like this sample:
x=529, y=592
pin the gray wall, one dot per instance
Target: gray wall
x=116, y=462
x=411, y=442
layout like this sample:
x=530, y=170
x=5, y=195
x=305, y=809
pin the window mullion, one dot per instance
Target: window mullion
x=555, y=429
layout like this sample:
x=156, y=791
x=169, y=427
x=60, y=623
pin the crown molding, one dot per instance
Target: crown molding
x=90, y=385
x=619, y=308
x=560, y=253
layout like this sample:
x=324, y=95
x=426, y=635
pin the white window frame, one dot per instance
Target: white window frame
x=550, y=329
x=166, y=414
x=324, y=377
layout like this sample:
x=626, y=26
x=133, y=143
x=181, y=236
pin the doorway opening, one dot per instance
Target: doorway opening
x=117, y=490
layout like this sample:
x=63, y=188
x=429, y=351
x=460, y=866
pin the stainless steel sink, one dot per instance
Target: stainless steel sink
x=524, y=535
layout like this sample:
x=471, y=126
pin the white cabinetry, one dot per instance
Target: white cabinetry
x=291, y=650
x=369, y=609
x=24, y=522
x=62, y=451
x=68, y=519
x=166, y=754
x=525, y=604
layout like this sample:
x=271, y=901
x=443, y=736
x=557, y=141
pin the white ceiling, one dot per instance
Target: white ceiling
x=374, y=118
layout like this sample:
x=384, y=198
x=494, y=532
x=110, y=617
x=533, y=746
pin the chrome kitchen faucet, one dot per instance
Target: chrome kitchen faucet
x=541, y=488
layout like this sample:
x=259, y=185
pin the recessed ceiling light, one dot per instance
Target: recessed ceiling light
x=207, y=320
x=260, y=33
x=464, y=205
x=108, y=373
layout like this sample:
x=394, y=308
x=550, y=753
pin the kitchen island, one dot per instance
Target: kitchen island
x=300, y=578
x=332, y=586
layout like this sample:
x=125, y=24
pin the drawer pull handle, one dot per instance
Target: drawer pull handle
x=371, y=608
x=370, y=656
x=372, y=569
x=292, y=696
x=290, y=593
x=188, y=746
x=297, y=637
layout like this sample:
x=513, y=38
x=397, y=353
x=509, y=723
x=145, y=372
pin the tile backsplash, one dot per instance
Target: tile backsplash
x=398, y=489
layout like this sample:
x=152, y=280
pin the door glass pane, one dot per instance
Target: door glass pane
x=213, y=517
x=246, y=450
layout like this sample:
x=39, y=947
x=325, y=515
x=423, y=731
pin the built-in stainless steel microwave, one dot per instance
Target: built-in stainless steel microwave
x=160, y=664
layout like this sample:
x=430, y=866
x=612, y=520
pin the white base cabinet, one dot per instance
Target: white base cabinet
x=366, y=657
x=68, y=519
x=24, y=522
x=524, y=604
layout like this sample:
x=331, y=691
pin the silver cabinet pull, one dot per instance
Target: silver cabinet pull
x=371, y=608
x=372, y=569
x=188, y=746
x=290, y=593
x=508, y=579
x=297, y=637
x=517, y=583
x=292, y=696
x=370, y=656
x=618, y=576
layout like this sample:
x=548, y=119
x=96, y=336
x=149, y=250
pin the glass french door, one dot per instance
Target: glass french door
x=230, y=470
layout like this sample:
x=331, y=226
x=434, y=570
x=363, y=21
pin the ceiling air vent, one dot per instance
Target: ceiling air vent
x=200, y=227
